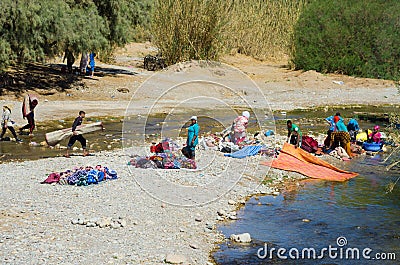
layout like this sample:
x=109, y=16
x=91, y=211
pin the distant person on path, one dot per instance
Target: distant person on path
x=239, y=127
x=6, y=122
x=77, y=137
x=70, y=59
x=192, y=138
x=294, y=134
x=28, y=107
x=92, y=64
x=84, y=62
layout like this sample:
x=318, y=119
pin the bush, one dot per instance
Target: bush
x=263, y=29
x=188, y=29
x=204, y=29
x=359, y=38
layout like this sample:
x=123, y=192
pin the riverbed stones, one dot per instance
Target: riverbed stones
x=241, y=238
x=221, y=212
x=231, y=202
x=175, y=259
x=100, y=222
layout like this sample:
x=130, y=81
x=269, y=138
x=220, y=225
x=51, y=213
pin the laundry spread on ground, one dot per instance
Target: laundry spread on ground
x=298, y=160
x=250, y=150
x=165, y=155
x=82, y=176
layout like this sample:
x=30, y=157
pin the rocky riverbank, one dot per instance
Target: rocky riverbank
x=50, y=224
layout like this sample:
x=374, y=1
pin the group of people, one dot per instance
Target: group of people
x=235, y=134
x=86, y=65
x=28, y=112
x=339, y=134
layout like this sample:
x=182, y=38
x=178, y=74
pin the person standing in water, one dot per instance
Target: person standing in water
x=6, y=123
x=193, y=137
x=77, y=137
x=28, y=107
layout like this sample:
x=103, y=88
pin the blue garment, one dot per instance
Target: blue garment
x=193, y=130
x=250, y=150
x=92, y=63
x=340, y=126
x=332, y=123
x=353, y=125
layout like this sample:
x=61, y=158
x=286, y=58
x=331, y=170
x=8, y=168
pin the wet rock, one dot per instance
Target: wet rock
x=233, y=217
x=305, y=220
x=221, y=212
x=241, y=238
x=175, y=259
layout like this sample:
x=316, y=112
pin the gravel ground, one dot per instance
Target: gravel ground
x=36, y=219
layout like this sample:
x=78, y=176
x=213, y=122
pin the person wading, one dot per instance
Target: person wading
x=77, y=137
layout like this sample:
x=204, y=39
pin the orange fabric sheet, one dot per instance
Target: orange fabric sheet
x=298, y=160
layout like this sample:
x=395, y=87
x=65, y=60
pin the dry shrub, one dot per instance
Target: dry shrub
x=204, y=29
x=189, y=29
x=263, y=29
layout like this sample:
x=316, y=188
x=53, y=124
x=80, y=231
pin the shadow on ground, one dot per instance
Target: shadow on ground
x=47, y=79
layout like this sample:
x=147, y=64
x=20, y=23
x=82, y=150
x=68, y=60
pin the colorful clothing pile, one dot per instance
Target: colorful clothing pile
x=82, y=176
x=166, y=156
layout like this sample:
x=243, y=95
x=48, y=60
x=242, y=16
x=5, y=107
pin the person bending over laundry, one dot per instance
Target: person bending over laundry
x=28, y=107
x=375, y=136
x=294, y=134
x=341, y=136
x=193, y=137
x=77, y=137
x=332, y=127
x=353, y=129
x=6, y=122
x=239, y=127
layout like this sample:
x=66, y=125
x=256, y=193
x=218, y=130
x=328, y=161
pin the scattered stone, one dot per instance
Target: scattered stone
x=175, y=259
x=306, y=220
x=163, y=205
x=231, y=202
x=194, y=246
x=220, y=218
x=242, y=201
x=232, y=217
x=122, y=222
x=241, y=238
x=115, y=225
x=198, y=219
x=74, y=221
x=276, y=193
x=221, y=212
x=80, y=221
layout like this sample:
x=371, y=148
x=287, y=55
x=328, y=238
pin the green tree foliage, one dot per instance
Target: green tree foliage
x=360, y=38
x=31, y=30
